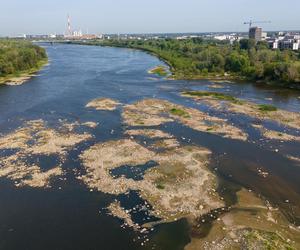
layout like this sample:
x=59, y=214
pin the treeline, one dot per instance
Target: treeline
x=199, y=58
x=19, y=56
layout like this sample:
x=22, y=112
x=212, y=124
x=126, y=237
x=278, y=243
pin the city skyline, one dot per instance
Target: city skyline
x=140, y=16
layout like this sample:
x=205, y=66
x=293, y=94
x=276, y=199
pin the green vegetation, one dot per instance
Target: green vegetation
x=19, y=58
x=160, y=186
x=160, y=71
x=197, y=58
x=266, y=108
x=219, y=96
x=179, y=112
x=210, y=129
x=257, y=239
x=170, y=173
x=224, y=97
x=216, y=95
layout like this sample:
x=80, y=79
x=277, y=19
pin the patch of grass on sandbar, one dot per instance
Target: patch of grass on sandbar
x=266, y=107
x=219, y=96
x=265, y=240
x=179, y=112
x=160, y=71
x=160, y=186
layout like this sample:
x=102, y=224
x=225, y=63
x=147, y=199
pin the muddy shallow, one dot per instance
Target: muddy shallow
x=75, y=214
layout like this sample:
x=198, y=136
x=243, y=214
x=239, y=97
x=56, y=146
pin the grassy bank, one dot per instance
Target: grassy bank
x=23, y=75
x=194, y=59
x=19, y=60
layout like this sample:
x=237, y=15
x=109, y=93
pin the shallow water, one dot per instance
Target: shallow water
x=132, y=172
x=69, y=216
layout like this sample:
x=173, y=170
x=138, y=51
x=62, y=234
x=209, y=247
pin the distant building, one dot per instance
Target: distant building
x=288, y=44
x=23, y=36
x=37, y=37
x=77, y=33
x=60, y=36
x=289, y=41
x=228, y=37
x=273, y=43
x=264, y=35
x=255, y=33
x=296, y=45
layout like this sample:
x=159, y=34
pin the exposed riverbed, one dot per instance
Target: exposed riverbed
x=96, y=148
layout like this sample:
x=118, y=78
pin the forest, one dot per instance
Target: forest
x=18, y=57
x=198, y=58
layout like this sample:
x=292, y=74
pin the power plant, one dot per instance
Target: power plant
x=76, y=34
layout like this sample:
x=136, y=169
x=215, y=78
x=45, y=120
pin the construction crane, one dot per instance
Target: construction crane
x=254, y=22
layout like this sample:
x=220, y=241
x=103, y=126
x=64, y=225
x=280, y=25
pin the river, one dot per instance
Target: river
x=68, y=215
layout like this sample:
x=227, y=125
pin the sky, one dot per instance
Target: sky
x=144, y=16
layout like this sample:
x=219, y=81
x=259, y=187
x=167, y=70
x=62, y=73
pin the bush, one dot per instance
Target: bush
x=18, y=56
x=237, y=62
x=202, y=57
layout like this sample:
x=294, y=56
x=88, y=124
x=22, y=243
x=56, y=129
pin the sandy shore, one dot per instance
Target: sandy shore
x=103, y=104
x=181, y=185
x=275, y=135
x=150, y=133
x=153, y=112
x=23, y=77
x=286, y=118
x=116, y=210
x=172, y=188
x=33, y=140
x=90, y=124
x=15, y=81
x=250, y=224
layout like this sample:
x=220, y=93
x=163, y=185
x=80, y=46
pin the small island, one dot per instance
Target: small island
x=159, y=71
x=19, y=60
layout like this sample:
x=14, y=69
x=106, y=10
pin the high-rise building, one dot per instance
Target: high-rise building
x=255, y=33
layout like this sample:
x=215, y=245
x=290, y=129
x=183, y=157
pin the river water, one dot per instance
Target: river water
x=68, y=215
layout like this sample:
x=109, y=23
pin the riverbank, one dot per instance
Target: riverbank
x=209, y=61
x=22, y=76
x=20, y=60
x=176, y=75
x=64, y=146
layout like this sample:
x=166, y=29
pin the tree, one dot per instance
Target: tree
x=293, y=73
x=18, y=56
x=198, y=57
x=247, y=44
x=197, y=40
x=236, y=62
x=262, y=45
